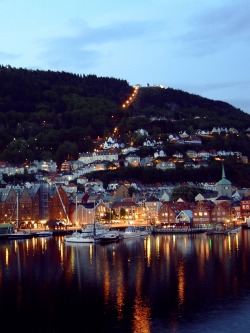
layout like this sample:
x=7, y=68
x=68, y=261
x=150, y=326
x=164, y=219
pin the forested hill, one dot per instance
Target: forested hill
x=46, y=114
x=198, y=111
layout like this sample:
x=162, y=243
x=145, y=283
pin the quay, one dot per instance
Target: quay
x=179, y=230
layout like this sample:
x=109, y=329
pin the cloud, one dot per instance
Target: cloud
x=244, y=84
x=218, y=28
x=4, y=56
x=85, y=47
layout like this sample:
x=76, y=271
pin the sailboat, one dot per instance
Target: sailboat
x=17, y=234
x=79, y=237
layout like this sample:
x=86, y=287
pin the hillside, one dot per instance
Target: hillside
x=57, y=115
x=189, y=109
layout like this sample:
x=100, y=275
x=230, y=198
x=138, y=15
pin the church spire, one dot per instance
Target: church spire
x=224, y=186
x=223, y=171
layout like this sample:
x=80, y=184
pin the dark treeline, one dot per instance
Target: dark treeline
x=52, y=115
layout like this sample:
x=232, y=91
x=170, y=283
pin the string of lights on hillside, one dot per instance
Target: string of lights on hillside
x=131, y=98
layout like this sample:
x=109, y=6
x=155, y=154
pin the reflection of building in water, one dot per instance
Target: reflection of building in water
x=142, y=310
x=113, y=280
x=132, y=283
x=181, y=284
x=123, y=276
x=147, y=250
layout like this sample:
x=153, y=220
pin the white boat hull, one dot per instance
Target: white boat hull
x=109, y=237
x=131, y=232
x=20, y=235
x=79, y=238
x=44, y=233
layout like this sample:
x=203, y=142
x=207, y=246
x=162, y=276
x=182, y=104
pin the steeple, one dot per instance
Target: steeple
x=224, y=186
x=223, y=171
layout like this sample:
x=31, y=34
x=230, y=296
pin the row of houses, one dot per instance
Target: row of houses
x=33, y=205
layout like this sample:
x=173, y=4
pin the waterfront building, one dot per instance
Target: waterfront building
x=223, y=212
x=169, y=211
x=185, y=217
x=202, y=213
x=245, y=206
x=58, y=203
x=125, y=210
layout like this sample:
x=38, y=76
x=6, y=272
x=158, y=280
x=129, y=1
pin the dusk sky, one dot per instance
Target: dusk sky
x=199, y=46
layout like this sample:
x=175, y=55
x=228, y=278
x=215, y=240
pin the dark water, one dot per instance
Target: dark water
x=164, y=283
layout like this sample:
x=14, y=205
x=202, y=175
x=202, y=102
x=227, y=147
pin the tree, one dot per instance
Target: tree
x=186, y=193
x=66, y=151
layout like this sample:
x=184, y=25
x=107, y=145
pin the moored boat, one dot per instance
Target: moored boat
x=97, y=229
x=145, y=230
x=225, y=231
x=131, y=232
x=21, y=235
x=234, y=230
x=78, y=237
x=110, y=237
x=44, y=233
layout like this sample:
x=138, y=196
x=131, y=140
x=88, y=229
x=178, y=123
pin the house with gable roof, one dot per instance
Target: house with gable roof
x=121, y=191
x=202, y=213
x=185, y=217
x=223, y=212
x=133, y=159
x=159, y=153
x=170, y=210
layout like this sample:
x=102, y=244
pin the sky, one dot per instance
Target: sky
x=198, y=46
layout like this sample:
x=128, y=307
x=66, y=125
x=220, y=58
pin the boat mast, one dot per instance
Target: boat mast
x=76, y=215
x=76, y=210
x=64, y=209
x=17, y=212
x=94, y=221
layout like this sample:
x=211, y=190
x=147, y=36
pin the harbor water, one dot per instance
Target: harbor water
x=156, y=283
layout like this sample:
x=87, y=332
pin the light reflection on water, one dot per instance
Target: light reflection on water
x=162, y=283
